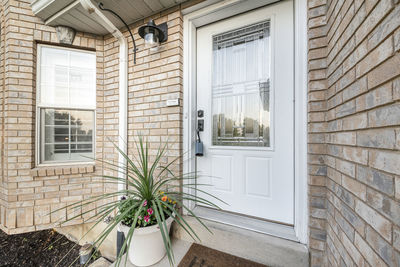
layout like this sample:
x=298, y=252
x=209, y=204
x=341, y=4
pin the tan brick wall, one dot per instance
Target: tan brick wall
x=354, y=68
x=353, y=120
x=3, y=200
x=157, y=77
x=317, y=147
x=28, y=193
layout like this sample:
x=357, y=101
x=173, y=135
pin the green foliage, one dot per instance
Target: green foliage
x=152, y=194
x=147, y=215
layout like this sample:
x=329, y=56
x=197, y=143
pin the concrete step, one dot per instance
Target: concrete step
x=261, y=248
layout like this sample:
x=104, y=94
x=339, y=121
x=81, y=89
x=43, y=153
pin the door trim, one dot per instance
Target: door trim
x=225, y=9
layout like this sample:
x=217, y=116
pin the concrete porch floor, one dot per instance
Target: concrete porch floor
x=261, y=248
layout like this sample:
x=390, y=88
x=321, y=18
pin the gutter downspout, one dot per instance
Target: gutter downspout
x=97, y=15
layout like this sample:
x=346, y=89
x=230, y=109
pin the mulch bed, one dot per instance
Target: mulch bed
x=42, y=248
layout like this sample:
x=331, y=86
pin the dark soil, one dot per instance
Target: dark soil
x=42, y=248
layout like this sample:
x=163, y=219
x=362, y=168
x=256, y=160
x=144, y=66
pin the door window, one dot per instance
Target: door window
x=241, y=87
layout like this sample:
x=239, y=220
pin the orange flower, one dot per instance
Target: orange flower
x=164, y=198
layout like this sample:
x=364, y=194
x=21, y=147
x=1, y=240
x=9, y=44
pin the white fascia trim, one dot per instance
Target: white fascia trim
x=97, y=15
x=40, y=5
x=61, y=12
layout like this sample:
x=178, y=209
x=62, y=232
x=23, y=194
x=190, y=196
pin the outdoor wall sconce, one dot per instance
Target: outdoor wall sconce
x=153, y=34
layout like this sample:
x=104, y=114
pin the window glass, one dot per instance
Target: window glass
x=67, y=135
x=67, y=78
x=67, y=101
x=241, y=87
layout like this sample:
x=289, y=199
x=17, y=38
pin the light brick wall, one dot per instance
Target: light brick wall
x=353, y=120
x=354, y=68
x=157, y=77
x=28, y=193
x=317, y=147
x=3, y=200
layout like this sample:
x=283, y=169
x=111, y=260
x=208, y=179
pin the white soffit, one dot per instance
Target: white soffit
x=71, y=13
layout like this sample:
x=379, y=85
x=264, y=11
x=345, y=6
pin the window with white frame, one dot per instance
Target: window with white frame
x=66, y=91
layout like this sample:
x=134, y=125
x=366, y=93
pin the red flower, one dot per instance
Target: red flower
x=150, y=211
x=147, y=218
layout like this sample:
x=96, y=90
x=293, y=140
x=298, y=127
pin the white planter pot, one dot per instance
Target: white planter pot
x=147, y=246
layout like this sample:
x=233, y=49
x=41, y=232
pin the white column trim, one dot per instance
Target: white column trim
x=301, y=89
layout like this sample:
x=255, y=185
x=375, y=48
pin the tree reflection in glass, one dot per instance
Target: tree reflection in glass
x=68, y=134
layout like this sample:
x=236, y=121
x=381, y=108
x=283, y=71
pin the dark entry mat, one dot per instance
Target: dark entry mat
x=200, y=256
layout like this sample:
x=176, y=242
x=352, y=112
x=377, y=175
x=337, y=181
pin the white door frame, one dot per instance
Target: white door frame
x=196, y=18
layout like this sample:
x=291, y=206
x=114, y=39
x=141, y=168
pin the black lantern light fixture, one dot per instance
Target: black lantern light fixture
x=153, y=34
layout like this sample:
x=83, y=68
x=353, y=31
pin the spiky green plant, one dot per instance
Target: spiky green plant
x=147, y=181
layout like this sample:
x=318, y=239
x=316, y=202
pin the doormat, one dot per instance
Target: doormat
x=200, y=256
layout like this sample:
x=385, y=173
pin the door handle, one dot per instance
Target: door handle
x=200, y=125
x=200, y=128
x=199, y=146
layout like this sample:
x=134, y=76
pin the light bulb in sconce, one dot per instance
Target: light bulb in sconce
x=154, y=34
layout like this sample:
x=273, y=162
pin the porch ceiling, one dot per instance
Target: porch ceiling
x=71, y=13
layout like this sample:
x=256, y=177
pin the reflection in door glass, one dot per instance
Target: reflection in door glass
x=241, y=87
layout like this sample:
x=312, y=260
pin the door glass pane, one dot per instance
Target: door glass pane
x=241, y=87
x=67, y=135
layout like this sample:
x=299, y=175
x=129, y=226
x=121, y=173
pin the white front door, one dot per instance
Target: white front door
x=245, y=88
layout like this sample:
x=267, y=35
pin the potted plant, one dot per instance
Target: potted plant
x=148, y=205
x=147, y=246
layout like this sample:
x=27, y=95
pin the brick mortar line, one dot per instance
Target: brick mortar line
x=366, y=224
x=339, y=65
x=364, y=93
